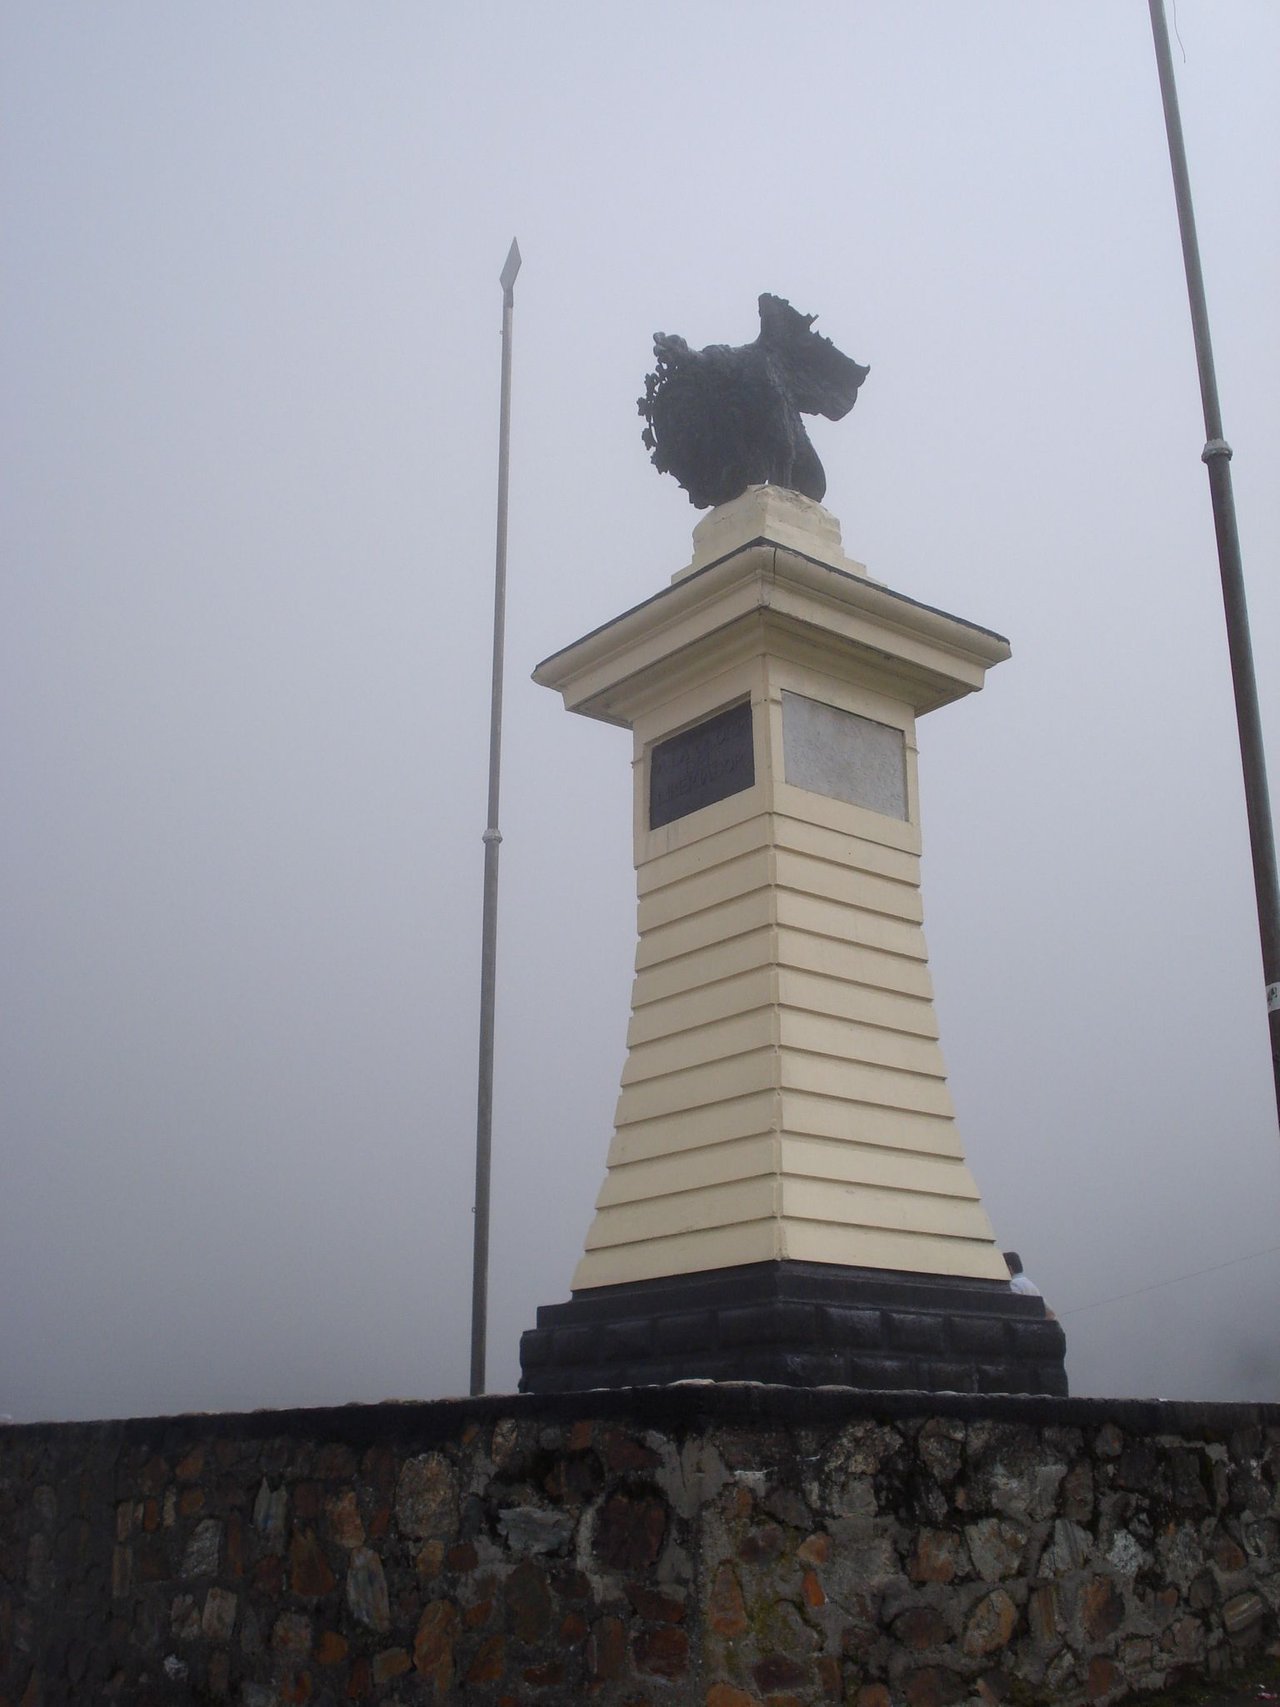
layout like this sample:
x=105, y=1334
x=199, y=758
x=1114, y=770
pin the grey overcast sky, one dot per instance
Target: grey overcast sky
x=250, y=371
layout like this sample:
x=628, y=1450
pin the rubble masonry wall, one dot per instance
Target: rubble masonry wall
x=722, y=1545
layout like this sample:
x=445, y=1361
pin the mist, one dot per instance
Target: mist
x=250, y=361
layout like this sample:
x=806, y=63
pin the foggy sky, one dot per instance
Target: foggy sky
x=250, y=371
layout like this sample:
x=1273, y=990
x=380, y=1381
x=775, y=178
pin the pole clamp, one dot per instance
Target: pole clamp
x=1273, y=997
x=492, y=836
x=1215, y=448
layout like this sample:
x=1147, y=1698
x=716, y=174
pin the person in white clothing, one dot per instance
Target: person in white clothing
x=1021, y=1282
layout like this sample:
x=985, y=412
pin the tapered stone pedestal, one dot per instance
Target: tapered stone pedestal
x=787, y=1196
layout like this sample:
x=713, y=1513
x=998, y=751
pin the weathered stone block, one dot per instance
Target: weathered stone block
x=933, y=1686
x=218, y=1619
x=629, y=1531
x=433, y=1644
x=201, y=1556
x=776, y=1672
x=1241, y=1612
x=332, y=1649
x=953, y=1376
x=1227, y=1555
x=657, y=1608
x=1077, y=1492
x=726, y=1612
x=527, y=1599
x=427, y=1498
x=1044, y=1615
x=913, y=1331
x=309, y=1574
x=270, y=1514
x=990, y=1625
x=622, y=1341
x=367, y=1589
x=940, y=1443
x=687, y=1331
x=763, y=1544
x=184, y=1618
x=536, y=1348
x=1067, y=1551
x=606, y=1652
x=1184, y=1641
x=1103, y=1678
x=1126, y=1553
x=662, y=1652
x=1102, y=1608
x=921, y=1627
x=344, y=1522
x=980, y=1334
x=868, y=1371
x=535, y=1529
x=939, y=1556
x=1034, y=1341
x=861, y=1329
x=488, y=1663
x=726, y=1695
x=996, y=1546
x=621, y=1450
x=574, y=1345
x=776, y=1323
x=291, y=1633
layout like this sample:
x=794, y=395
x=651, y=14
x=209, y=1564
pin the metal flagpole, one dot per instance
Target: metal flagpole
x=1217, y=459
x=492, y=838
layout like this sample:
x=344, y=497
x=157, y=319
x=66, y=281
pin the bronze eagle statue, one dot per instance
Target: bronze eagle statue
x=725, y=418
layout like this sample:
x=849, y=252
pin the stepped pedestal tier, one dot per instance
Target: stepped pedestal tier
x=787, y=1198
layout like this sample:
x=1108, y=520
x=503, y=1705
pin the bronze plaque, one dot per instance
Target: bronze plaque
x=701, y=765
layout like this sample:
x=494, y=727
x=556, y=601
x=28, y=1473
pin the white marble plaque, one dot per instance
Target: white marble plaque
x=844, y=756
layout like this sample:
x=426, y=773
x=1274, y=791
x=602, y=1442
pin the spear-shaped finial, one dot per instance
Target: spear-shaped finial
x=507, y=277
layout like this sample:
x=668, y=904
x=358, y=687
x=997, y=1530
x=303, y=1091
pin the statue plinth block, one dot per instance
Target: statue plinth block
x=785, y=1148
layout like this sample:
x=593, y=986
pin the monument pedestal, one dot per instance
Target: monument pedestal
x=802, y=1324
x=786, y=1197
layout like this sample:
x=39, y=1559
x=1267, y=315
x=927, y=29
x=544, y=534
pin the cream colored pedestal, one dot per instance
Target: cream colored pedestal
x=784, y=1096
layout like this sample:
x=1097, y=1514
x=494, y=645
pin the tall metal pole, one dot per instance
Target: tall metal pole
x=492, y=839
x=1217, y=459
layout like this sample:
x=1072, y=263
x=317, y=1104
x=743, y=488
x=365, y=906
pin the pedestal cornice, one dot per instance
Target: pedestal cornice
x=926, y=654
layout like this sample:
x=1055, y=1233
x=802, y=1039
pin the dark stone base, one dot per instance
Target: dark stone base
x=800, y=1324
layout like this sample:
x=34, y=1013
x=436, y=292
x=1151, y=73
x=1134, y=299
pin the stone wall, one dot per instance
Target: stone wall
x=719, y=1545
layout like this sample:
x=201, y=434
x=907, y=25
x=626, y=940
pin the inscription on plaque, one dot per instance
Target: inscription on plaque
x=844, y=756
x=701, y=765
